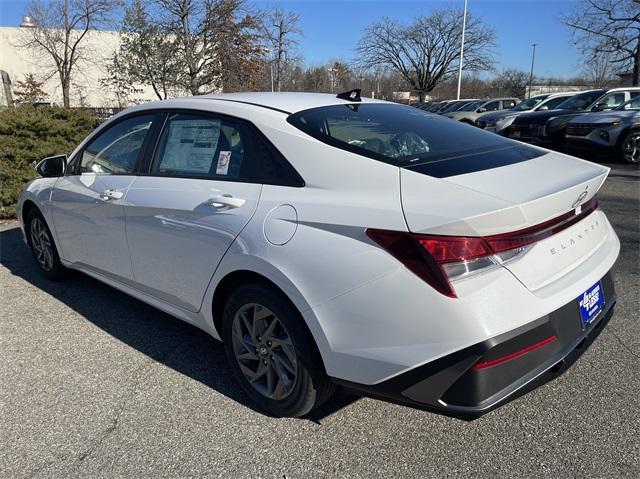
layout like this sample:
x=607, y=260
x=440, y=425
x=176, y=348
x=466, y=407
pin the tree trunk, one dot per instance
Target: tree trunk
x=65, y=82
x=422, y=94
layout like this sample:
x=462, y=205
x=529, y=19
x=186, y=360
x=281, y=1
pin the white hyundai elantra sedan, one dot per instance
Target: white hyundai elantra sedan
x=339, y=241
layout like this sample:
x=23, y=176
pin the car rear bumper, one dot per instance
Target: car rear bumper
x=452, y=385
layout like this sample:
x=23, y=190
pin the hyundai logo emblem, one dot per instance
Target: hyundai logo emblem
x=578, y=200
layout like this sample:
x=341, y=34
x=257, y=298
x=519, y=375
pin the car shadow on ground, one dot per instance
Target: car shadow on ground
x=165, y=339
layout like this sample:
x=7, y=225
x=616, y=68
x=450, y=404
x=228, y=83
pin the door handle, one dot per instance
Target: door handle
x=111, y=195
x=225, y=201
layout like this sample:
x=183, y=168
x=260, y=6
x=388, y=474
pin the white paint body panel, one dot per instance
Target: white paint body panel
x=177, y=239
x=371, y=318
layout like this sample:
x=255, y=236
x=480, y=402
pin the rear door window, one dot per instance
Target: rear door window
x=492, y=106
x=554, y=102
x=206, y=146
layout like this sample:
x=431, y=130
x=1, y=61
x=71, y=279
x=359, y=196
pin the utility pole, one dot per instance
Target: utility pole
x=533, y=59
x=464, y=27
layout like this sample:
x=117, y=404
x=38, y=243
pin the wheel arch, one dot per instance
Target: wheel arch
x=27, y=207
x=624, y=133
x=233, y=280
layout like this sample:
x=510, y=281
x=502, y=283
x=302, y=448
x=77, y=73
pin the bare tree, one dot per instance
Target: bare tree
x=511, y=82
x=597, y=70
x=61, y=26
x=609, y=27
x=280, y=30
x=427, y=51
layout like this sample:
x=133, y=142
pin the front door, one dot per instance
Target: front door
x=88, y=209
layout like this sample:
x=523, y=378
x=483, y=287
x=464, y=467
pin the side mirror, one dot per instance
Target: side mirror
x=52, y=166
x=482, y=110
x=543, y=108
x=600, y=107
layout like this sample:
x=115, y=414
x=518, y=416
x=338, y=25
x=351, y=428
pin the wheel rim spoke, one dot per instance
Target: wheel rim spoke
x=41, y=244
x=631, y=149
x=264, y=351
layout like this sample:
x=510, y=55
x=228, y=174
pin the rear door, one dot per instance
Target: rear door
x=88, y=210
x=202, y=187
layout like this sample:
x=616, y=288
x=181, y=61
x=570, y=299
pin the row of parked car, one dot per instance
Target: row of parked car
x=599, y=120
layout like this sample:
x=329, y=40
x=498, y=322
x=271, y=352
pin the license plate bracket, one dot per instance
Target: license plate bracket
x=591, y=303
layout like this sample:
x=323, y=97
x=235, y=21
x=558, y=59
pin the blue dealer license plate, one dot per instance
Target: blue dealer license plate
x=591, y=303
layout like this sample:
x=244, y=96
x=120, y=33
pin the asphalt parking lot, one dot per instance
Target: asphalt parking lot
x=94, y=383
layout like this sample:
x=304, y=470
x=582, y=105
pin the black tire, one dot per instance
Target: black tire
x=310, y=385
x=42, y=246
x=621, y=146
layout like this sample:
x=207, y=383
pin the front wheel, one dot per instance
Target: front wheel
x=42, y=246
x=271, y=352
x=630, y=147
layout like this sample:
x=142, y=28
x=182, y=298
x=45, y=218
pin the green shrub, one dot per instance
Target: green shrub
x=29, y=134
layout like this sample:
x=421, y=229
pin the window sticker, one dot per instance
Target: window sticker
x=191, y=145
x=223, y=163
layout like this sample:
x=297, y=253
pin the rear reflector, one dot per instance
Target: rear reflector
x=517, y=354
x=438, y=259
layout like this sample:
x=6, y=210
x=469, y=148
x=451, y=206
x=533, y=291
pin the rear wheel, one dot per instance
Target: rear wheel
x=630, y=147
x=42, y=246
x=271, y=352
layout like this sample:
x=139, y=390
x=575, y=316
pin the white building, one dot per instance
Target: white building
x=86, y=89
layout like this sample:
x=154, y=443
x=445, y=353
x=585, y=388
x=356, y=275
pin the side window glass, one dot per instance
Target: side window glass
x=492, y=106
x=554, y=102
x=204, y=146
x=613, y=99
x=508, y=104
x=634, y=94
x=116, y=150
x=197, y=145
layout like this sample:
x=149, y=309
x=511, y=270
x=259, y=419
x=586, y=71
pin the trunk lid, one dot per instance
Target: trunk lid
x=511, y=198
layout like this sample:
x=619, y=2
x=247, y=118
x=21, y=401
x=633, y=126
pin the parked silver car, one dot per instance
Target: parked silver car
x=616, y=131
x=471, y=112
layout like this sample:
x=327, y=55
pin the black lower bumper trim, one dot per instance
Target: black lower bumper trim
x=451, y=386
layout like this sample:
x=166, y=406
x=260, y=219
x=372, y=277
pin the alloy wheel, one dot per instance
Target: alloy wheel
x=631, y=148
x=264, y=351
x=41, y=243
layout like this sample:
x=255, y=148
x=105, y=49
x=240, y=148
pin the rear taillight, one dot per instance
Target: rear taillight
x=438, y=259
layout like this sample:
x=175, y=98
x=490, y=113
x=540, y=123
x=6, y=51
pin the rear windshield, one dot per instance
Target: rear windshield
x=411, y=138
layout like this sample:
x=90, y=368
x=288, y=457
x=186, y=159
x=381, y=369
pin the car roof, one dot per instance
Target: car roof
x=624, y=88
x=286, y=102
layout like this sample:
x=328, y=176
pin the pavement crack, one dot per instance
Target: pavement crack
x=624, y=345
x=121, y=406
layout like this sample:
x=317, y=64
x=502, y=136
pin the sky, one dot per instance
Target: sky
x=332, y=28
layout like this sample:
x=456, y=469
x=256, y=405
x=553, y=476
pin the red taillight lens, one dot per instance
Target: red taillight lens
x=448, y=249
x=435, y=258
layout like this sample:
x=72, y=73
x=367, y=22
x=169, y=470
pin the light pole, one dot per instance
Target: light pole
x=464, y=27
x=533, y=59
